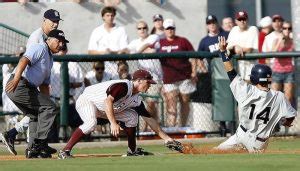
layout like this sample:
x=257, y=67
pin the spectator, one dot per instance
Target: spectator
x=210, y=44
x=243, y=39
x=227, y=24
x=283, y=68
x=97, y=75
x=141, y=45
x=179, y=75
x=123, y=71
x=266, y=27
x=158, y=26
x=8, y=105
x=277, y=22
x=108, y=38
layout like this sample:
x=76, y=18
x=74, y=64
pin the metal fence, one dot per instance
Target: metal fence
x=78, y=68
x=11, y=39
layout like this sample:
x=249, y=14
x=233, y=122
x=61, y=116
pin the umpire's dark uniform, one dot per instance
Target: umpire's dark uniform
x=39, y=107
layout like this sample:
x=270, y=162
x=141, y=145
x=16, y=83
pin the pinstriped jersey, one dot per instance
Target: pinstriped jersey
x=259, y=111
x=97, y=94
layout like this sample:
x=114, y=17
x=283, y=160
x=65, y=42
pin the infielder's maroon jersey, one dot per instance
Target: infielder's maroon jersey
x=98, y=93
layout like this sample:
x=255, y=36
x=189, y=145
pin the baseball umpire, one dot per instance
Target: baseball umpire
x=33, y=72
x=259, y=107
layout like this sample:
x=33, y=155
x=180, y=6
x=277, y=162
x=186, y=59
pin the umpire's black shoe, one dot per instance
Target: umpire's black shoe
x=50, y=150
x=38, y=150
x=8, y=142
x=138, y=152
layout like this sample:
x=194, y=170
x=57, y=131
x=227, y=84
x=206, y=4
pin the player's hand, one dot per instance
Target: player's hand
x=222, y=43
x=115, y=129
x=11, y=85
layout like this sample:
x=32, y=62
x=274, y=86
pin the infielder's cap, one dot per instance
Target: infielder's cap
x=143, y=75
x=211, y=19
x=277, y=17
x=58, y=34
x=169, y=23
x=52, y=15
x=265, y=22
x=158, y=17
x=241, y=15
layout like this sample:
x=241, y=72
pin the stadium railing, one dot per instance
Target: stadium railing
x=64, y=99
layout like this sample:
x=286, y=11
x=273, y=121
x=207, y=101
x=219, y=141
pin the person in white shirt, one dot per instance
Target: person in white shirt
x=260, y=108
x=97, y=75
x=109, y=38
x=243, y=39
x=277, y=23
x=141, y=45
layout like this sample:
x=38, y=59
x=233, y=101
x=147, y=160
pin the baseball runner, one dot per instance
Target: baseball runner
x=50, y=22
x=259, y=107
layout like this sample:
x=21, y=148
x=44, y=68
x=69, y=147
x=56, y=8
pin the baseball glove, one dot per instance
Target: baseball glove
x=175, y=145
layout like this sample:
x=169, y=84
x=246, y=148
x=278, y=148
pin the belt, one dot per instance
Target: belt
x=257, y=138
x=56, y=98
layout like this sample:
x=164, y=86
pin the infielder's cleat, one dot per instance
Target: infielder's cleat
x=64, y=154
x=138, y=152
x=8, y=142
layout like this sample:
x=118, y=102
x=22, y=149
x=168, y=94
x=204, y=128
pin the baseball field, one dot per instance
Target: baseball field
x=282, y=154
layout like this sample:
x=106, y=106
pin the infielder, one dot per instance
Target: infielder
x=259, y=107
x=115, y=100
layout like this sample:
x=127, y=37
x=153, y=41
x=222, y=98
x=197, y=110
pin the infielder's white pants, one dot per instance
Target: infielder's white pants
x=245, y=139
x=89, y=113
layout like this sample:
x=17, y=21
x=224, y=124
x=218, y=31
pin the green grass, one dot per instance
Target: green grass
x=166, y=162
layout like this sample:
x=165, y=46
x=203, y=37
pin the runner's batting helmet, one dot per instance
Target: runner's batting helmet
x=260, y=74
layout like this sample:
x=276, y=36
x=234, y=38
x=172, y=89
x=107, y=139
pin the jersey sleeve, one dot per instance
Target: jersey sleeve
x=117, y=91
x=240, y=89
x=286, y=109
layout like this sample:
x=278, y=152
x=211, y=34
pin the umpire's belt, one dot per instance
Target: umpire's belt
x=257, y=138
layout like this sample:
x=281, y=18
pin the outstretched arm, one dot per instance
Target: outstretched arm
x=156, y=128
x=226, y=58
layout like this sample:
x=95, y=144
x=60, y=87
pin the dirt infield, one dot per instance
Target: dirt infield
x=189, y=149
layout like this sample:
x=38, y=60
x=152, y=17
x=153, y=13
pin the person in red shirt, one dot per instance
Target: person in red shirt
x=283, y=68
x=179, y=74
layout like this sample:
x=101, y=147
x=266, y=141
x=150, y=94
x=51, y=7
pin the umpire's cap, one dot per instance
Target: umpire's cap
x=143, y=75
x=52, y=15
x=260, y=74
x=58, y=34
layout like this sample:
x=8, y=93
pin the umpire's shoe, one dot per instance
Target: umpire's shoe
x=64, y=154
x=8, y=142
x=38, y=150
